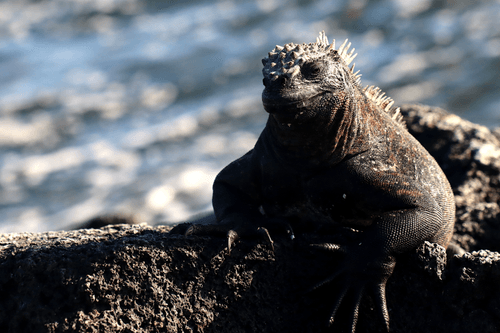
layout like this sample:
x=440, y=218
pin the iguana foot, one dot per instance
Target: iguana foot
x=359, y=273
x=233, y=230
x=234, y=234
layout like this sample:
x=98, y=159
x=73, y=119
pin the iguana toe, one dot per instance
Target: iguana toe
x=330, y=247
x=336, y=305
x=353, y=318
x=381, y=304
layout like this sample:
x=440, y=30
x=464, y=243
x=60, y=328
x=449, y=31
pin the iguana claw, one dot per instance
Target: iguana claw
x=234, y=231
x=232, y=236
x=263, y=231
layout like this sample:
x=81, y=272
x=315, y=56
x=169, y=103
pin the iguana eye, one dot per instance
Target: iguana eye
x=310, y=70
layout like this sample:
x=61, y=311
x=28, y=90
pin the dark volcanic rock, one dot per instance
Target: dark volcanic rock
x=142, y=279
x=469, y=155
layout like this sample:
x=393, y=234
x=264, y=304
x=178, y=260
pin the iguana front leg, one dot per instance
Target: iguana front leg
x=237, y=206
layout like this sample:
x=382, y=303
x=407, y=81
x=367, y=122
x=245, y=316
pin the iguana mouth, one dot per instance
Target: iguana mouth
x=290, y=114
x=286, y=106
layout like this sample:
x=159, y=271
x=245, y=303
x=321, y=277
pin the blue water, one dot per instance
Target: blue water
x=134, y=106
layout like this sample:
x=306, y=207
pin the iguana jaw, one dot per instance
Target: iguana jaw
x=285, y=105
x=289, y=111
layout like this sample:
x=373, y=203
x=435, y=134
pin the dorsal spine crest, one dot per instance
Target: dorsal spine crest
x=377, y=96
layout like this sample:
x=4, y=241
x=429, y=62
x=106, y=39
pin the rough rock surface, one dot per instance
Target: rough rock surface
x=137, y=278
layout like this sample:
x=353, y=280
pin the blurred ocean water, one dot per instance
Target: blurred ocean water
x=133, y=107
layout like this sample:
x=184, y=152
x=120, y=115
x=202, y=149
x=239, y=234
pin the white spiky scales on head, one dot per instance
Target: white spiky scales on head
x=286, y=61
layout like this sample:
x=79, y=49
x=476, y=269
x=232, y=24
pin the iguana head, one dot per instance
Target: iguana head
x=316, y=104
x=302, y=81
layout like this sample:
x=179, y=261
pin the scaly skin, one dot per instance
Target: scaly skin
x=334, y=154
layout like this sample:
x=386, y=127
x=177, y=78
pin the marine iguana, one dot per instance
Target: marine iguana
x=335, y=154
